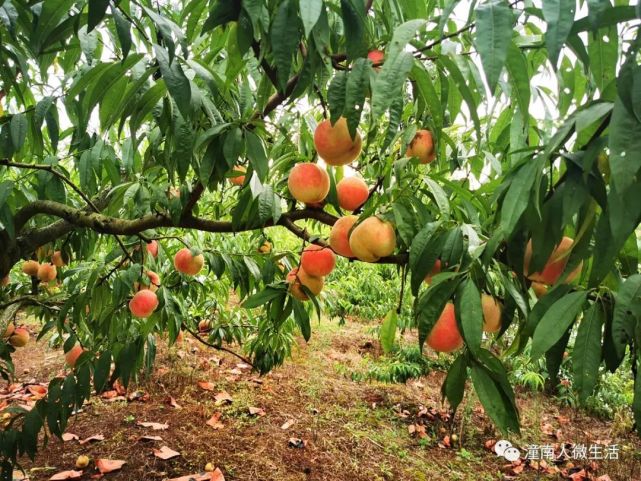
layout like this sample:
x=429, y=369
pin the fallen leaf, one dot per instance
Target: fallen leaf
x=95, y=437
x=150, y=438
x=256, y=411
x=243, y=365
x=109, y=465
x=37, y=391
x=296, y=443
x=119, y=388
x=172, y=402
x=214, y=421
x=287, y=424
x=66, y=475
x=605, y=477
x=138, y=396
x=154, y=426
x=206, y=385
x=223, y=397
x=165, y=452
x=235, y=371
x=66, y=437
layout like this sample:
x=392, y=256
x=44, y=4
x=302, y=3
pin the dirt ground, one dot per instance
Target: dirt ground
x=308, y=421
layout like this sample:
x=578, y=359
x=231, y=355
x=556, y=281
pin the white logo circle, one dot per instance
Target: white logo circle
x=501, y=446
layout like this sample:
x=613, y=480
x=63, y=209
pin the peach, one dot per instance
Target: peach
x=188, y=263
x=308, y=183
x=238, y=179
x=30, y=268
x=352, y=193
x=180, y=337
x=539, y=289
x=5, y=281
x=265, y=247
x=144, y=303
x=82, y=461
x=339, y=235
x=57, y=260
x=298, y=277
x=554, y=266
x=173, y=193
x=377, y=57
x=204, y=326
x=152, y=248
x=422, y=147
x=445, y=336
x=154, y=282
x=334, y=143
x=47, y=272
x=372, y=239
x=491, y=313
x=10, y=329
x=72, y=355
x=19, y=338
x=317, y=261
x=436, y=269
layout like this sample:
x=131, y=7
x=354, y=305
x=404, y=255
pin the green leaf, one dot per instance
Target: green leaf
x=518, y=195
x=496, y=403
x=439, y=196
x=423, y=255
x=586, y=356
x=18, y=130
x=97, y=11
x=123, y=30
x=470, y=314
x=494, y=21
x=310, y=11
x=603, y=47
x=101, y=371
x=285, y=37
x=465, y=91
x=627, y=307
x=559, y=15
x=355, y=91
x=519, y=79
x=387, y=331
x=353, y=15
x=257, y=155
x=431, y=303
x=453, y=388
x=177, y=83
x=263, y=297
x=302, y=319
x=428, y=92
x=556, y=321
x=402, y=35
x=389, y=81
x=625, y=147
x=223, y=12
x=336, y=96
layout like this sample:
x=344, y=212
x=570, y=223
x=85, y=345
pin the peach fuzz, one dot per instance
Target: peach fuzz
x=422, y=147
x=187, y=263
x=445, y=336
x=144, y=303
x=335, y=144
x=308, y=183
x=372, y=239
x=352, y=192
x=339, y=235
x=317, y=261
x=298, y=277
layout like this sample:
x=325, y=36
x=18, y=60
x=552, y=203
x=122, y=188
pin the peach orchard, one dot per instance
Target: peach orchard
x=491, y=151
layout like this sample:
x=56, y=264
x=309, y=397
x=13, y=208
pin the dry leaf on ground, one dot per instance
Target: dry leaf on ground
x=165, y=452
x=109, y=465
x=214, y=421
x=154, y=426
x=66, y=475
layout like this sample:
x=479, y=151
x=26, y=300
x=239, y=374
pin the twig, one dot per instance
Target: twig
x=219, y=348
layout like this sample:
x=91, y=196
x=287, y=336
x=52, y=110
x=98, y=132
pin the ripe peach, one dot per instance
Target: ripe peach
x=317, y=261
x=238, y=179
x=5, y=281
x=10, y=329
x=152, y=248
x=187, y=263
x=72, y=355
x=173, y=193
x=47, y=272
x=377, y=57
x=144, y=303
x=308, y=183
x=82, y=461
x=30, y=268
x=539, y=289
x=352, y=193
x=339, y=235
x=265, y=248
x=554, y=266
x=435, y=270
x=422, y=147
x=298, y=277
x=57, y=260
x=372, y=239
x=445, y=336
x=180, y=337
x=334, y=143
x=204, y=326
x=491, y=313
x=154, y=282
x=19, y=338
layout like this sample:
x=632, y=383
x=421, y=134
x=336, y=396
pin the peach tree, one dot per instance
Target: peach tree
x=490, y=150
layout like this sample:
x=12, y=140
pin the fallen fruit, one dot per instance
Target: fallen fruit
x=82, y=461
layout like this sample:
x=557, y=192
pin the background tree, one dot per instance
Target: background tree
x=132, y=130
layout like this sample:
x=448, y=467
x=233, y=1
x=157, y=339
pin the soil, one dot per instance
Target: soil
x=316, y=424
